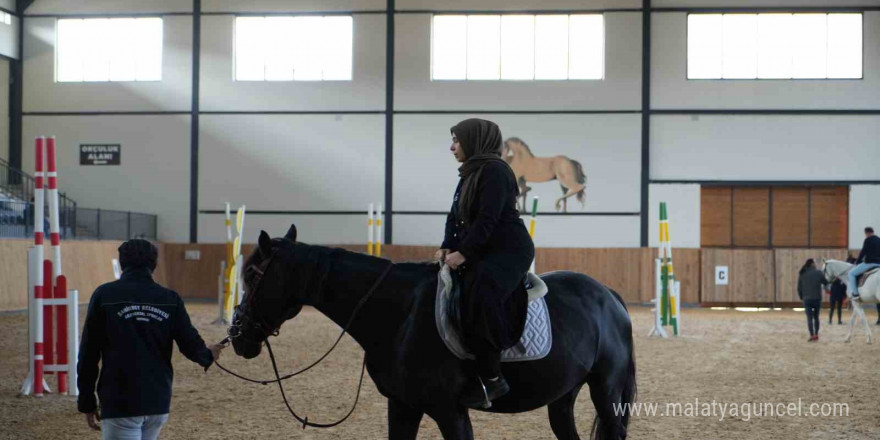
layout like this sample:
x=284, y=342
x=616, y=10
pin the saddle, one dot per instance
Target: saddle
x=536, y=340
x=864, y=277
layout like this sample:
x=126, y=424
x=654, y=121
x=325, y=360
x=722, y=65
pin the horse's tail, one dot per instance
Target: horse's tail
x=612, y=421
x=630, y=389
x=580, y=177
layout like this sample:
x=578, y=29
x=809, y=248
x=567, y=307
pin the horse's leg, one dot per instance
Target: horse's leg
x=561, y=413
x=852, y=320
x=568, y=192
x=867, y=327
x=607, y=389
x=403, y=421
x=454, y=423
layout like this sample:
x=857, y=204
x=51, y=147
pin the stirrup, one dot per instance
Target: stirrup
x=476, y=404
x=486, y=403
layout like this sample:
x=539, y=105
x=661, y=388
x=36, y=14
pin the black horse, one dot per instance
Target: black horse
x=411, y=366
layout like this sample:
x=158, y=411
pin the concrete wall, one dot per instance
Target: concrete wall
x=314, y=152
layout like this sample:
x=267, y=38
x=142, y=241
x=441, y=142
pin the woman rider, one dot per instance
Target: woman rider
x=488, y=244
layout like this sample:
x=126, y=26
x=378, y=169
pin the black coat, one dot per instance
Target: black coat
x=870, y=250
x=810, y=284
x=838, y=291
x=499, y=251
x=130, y=326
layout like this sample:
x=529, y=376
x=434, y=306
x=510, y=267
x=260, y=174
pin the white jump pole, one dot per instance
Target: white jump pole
x=38, y=268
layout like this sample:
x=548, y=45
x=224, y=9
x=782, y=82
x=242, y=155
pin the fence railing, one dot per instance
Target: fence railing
x=104, y=224
x=17, y=221
x=16, y=185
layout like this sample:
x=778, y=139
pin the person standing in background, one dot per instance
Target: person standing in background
x=810, y=282
x=838, y=294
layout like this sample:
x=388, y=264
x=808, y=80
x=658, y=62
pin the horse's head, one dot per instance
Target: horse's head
x=267, y=301
x=833, y=269
x=509, y=148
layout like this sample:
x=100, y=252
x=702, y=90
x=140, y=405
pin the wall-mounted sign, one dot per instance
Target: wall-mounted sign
x=721, y=275
x=99, y=154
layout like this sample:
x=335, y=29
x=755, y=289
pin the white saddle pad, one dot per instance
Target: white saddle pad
x=536, y=341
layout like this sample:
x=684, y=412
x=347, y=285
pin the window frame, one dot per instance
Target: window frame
x=292, y=80
x=56, y=51
x=722, y=13
x=502, y=14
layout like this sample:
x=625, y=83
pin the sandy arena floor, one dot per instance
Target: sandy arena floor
x=731, y=357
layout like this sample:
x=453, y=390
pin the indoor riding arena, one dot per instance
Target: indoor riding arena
x=451, y=220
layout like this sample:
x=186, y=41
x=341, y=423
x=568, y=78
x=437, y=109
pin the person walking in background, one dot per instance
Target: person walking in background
x=869, y=258
x=838, y=294
x=130, y=327
x=810, y=282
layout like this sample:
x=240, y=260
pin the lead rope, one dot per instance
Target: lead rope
x=305, y=422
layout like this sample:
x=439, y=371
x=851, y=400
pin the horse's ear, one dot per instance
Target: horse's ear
x=291, y=233
x=824, y=260
x=265, y=243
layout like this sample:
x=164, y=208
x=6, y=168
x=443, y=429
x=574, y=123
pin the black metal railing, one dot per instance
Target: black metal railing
x=14, y=216
x=17, y=221
x=104, y=224
x=14, y=183
x=17, y=214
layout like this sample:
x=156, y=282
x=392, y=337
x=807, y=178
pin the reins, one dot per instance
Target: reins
x=278, y=378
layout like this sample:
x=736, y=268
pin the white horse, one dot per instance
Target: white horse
x=868, y=294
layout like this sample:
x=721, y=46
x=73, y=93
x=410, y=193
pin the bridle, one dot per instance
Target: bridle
x=247, y=321
x=244, y=319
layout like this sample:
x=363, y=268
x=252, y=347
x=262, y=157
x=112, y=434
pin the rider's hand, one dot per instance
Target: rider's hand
x=440, y=255
x=454, y=260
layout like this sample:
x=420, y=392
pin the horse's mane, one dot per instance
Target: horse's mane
x=335, y=253
x=322, y=258
x=520, y=141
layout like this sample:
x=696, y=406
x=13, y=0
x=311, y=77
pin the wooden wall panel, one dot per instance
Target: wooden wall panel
x=86, y=264
x=199, y=279
x=196, y=278
x=750, y=276
x=757, y=276
x=628, y=271
x=751, y=217
x=13, y=273
x=829, y=216
x=709, y=292
x=790, y=217
x=715, y=219
x=687, y=270
x=789, y=262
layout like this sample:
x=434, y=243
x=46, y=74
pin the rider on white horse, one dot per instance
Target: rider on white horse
x=868, y=259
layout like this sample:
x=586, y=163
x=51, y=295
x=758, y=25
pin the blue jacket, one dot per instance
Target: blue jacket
x=130, y=326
